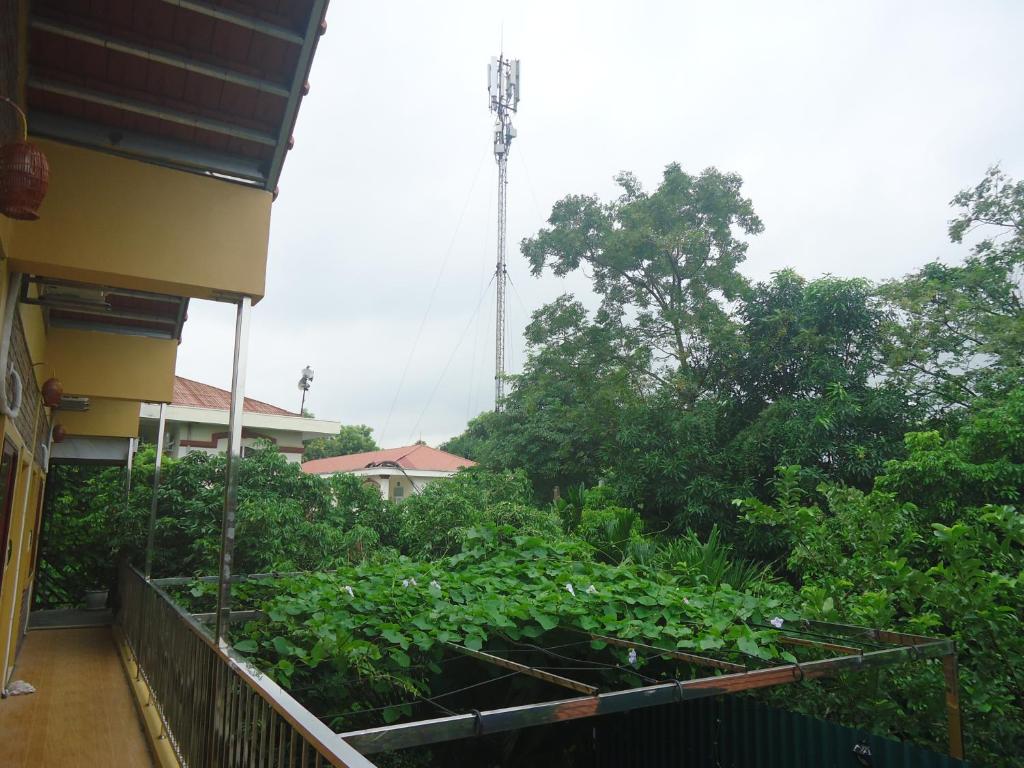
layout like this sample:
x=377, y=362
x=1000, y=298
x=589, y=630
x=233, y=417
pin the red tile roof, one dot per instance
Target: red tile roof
x=195, y=394
x=408, y=457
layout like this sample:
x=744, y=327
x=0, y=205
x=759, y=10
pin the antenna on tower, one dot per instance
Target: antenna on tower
x=503, y=91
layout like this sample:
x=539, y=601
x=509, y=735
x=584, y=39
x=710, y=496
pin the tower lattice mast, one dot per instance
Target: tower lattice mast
x=503, y=89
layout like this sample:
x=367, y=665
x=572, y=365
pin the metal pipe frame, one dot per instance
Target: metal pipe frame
x=954, y=721
x=238, y=19
x=224, y=74
x=424, y=732
x=690, y=658
x=806, y=643
x=539, y=674
x=150, y=110
x=151, y=535
x=231, y=470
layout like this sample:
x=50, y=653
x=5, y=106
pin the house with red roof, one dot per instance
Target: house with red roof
x=398, y=472
x=197, y=420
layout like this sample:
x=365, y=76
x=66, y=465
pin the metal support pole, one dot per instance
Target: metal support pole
x=231, y=471
x=128, y=474
x=151, y=537
x=951, y=672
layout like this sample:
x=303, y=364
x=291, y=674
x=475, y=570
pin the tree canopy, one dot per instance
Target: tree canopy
x=351, y=438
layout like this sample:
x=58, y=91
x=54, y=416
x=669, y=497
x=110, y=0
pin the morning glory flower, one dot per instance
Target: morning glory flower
x=569, y=589
x=686, y=601
x=632, y=656
x=408, y=583
x=776, y=622
x=591, y=590
x=434, y=584
x=348, y=589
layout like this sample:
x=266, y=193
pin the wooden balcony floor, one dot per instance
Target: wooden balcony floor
x=81, y=714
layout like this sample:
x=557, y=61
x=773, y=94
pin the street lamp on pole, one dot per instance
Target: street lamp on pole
x=304, y=384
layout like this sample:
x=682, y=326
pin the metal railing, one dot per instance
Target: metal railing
x=216, y=709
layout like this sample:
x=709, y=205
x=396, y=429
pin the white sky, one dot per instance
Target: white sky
x=852, y=124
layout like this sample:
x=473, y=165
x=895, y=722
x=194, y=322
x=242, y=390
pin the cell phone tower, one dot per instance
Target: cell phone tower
x=503, y=89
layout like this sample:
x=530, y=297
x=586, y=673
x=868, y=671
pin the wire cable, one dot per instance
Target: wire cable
x=421, y=699
x=433, y=294
x=451, y=357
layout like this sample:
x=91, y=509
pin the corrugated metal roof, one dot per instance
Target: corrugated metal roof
x=195, y=394
x=408, y=457
x=189, y=83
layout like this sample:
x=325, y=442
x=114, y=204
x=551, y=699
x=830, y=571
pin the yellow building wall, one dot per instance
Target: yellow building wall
x=35, y=337
x=105, y=418
x=113, y=221
x=111, y=365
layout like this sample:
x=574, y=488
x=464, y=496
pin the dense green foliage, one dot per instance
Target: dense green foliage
x=873, y=431
x=351, y=438
x=697, y=454
x=287, y=520
x=374, y=635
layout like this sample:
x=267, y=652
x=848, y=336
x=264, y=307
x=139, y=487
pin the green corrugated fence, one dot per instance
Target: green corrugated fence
x=739, y=732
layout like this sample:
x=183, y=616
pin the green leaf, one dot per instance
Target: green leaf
x=401, y=659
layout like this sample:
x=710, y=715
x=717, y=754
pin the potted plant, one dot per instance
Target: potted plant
x=96, y=599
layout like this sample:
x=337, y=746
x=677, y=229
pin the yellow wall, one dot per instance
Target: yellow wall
x=110, y=365
x=35, y=337
x=105, y=418
x=119, y=222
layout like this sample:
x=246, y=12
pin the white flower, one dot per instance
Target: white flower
x=632, y=656
x=569, y=589
x=434, y=584
x=413, y=581
x=776, y=622
x=348, y=589
x=591, y=590
x=405, y=583
x=686, y=601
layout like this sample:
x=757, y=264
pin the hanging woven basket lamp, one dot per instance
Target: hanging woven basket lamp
x=24, y=174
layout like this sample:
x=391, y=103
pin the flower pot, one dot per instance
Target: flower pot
x=95, y=599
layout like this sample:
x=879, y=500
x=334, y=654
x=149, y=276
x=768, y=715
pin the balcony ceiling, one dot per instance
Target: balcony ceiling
x=199, y=85
x=79, y=306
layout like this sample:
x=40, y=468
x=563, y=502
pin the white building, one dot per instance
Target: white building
x=398, y=472
x=197, y=420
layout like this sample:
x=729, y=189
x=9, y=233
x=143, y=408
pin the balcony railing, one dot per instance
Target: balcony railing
x=216, y=709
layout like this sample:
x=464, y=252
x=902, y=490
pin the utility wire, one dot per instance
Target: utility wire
x=471, y=393
x=451, y=357
x=433, y=294
x=421, y=699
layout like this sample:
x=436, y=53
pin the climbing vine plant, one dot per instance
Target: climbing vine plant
x=374, y=637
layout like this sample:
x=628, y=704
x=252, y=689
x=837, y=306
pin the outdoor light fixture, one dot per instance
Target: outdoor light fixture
x=304, y=384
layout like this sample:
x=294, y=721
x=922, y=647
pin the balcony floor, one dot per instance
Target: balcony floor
x=81, y=714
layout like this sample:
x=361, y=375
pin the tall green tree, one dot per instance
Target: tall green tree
x=351, y=438
x=664, y=264
x=958, y=330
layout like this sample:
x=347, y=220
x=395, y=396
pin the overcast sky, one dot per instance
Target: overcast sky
x=852, y=124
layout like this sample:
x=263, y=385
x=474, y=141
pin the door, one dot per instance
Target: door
x=8, y=474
